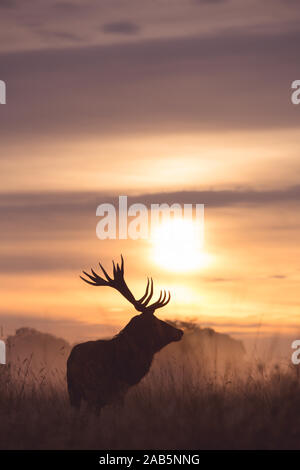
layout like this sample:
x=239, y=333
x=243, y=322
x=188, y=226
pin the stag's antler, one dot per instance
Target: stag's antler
x=118, y=283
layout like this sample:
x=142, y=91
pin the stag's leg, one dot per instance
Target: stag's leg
x=95, y=408
x=93, y=401
x=75, y=395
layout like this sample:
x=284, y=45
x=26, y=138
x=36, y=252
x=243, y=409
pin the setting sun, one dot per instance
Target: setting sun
x=178, y=246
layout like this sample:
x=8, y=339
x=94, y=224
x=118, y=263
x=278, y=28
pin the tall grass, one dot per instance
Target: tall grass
x=172, y=408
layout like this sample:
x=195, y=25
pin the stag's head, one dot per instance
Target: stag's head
x=144, y=328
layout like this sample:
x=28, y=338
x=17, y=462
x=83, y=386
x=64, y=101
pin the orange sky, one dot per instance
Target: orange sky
x=190, y=104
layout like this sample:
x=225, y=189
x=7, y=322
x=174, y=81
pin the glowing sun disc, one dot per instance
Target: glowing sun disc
x=177, y=246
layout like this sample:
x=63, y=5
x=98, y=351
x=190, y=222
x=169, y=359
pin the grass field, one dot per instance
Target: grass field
x=170, y=409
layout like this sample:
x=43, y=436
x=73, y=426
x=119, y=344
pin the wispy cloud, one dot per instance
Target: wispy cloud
x=80, y=202
x=70, y=7
x=97, y=102
x=121, y=27
x=38, y=213
x=210, y=2
x=59, y=35
x=8, y=4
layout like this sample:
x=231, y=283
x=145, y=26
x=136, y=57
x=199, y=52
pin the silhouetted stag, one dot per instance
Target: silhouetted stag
x=100, y=372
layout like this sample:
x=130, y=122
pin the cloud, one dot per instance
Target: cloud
x=7, y=4
x=74, y=202
x=36, y=262
x=121, y=27
x=32, y=221
x=223, y=198
x=167, y=85
x=278, y=276
x=60, y=35
x=221, y=279
x=69, y=8
x=209, y=2
x=55, y=216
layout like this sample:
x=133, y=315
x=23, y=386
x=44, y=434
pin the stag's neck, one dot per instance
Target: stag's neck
x=134, y=358
x=136, y=347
